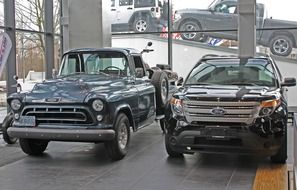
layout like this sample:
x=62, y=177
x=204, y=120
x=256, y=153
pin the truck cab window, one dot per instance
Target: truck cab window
x=112, y=3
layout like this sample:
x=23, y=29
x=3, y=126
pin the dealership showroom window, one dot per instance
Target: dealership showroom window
x=148, y=94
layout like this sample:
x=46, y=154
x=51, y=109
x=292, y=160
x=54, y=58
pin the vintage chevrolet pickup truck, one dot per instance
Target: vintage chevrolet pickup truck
x=98, y=95
x=230, y=104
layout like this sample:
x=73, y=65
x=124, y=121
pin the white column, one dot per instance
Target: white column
x=86, y=24
x=247, y=28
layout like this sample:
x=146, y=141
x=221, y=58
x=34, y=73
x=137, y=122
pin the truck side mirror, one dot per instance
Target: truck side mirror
x=289, y=82
x=180, y=81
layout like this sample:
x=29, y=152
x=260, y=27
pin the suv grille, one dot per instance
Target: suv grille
x=59, y=115
x=223, y=112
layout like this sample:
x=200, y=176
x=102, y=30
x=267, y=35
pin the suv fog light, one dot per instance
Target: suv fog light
x=99, y=117
x=16, y=116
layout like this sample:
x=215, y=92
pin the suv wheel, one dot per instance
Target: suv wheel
x=117, y=148
x=33, y=147
x=193, y=36
x=7, y=122
x=281, y=45
x=281, y=156
x=169, y=150
x=141, y=24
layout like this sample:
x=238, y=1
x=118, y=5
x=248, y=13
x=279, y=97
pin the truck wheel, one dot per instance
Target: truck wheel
x=7, y=122
x=117, y=148
x=281, y=156
x=33, y=147
x=281, y=45
x=141, y=24
x=169, y=150
x=160, y=81
x=192, y=26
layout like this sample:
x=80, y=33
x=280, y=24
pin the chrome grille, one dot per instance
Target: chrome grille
x=59, y=115
x=234, y=112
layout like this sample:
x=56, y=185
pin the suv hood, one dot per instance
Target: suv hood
x=229, y=92
x=73, y=89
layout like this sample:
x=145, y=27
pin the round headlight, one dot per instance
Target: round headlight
x=15, y=104
x=98, y=105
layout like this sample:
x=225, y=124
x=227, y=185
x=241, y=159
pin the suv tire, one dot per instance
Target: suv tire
x=192, y=26
x=117, y=148
x=281, y=45
x=33, y=147
x=141, y=24
x=7, y=122
x=281, y=156
x=160, y=81
x=169, y=150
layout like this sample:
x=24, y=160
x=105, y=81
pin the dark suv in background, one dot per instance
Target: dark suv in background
x=230, y=104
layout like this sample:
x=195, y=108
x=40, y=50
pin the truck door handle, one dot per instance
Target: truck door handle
x=129, y=8
x=113, y=9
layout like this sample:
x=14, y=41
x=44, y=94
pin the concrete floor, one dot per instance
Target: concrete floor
x=79, y=166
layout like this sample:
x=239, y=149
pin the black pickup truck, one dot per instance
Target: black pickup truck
x=223, y=16
x=98, y=95
x=230, y=104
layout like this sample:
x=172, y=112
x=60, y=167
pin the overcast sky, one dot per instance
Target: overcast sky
x=278, y=9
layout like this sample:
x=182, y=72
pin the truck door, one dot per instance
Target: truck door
x=146, y=101
x=223, y=16
x=124, y=11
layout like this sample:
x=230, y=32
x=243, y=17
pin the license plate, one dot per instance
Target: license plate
x=26, y=121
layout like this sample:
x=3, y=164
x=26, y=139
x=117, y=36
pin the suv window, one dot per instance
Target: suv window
x=144, y=3
x=256, y=72
x=126, y=2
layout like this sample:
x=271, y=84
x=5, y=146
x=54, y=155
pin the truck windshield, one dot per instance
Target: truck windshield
x=251, y=72
x=105, y=63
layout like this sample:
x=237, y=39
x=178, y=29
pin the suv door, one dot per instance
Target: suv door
x=146, y=92
x=124, y=11
x=223, y=16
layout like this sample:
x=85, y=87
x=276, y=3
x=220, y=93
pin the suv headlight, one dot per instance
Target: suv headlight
x=177, y=106
x=267, y=107
x=98, y=105
x=15, y=104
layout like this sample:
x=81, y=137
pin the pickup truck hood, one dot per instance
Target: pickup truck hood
x=196, y=11
x=229, y=92
x=73, y=89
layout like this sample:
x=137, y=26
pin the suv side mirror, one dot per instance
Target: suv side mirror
x=289, y=82
x=180, y=81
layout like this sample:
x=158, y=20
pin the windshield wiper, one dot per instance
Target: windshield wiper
x=244, y=83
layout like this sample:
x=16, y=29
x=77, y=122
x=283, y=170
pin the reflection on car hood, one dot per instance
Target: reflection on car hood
x=229, y=92
x=73, y=89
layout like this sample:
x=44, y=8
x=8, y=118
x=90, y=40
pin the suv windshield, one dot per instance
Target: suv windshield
x=250, y=72
x=106, y=63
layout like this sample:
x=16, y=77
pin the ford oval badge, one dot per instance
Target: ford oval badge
x=218, y=111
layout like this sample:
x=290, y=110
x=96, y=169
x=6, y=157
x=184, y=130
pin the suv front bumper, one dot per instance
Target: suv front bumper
x=242, y=140
x=74, y=135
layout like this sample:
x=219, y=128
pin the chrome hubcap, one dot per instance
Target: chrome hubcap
x=164, y=90
x=281, y=46
x=192, y=35
x=123, y=136
x=141, y=26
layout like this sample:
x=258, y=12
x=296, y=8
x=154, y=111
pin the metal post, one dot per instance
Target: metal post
x=9, y=22
x=247, y=28
x=49, y=37
x=170, y=59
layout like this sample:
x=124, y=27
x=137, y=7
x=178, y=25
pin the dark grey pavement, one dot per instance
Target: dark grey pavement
x=78, y=166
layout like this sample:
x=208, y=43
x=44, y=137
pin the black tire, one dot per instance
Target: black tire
x=33, y=147
x=7, y=122
x=141, y=24
x=281, y=156
x=169, y=150
x=117, y=150
x=160, y=81
x=192, y=26
x=281, y=45
x=162, y=124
